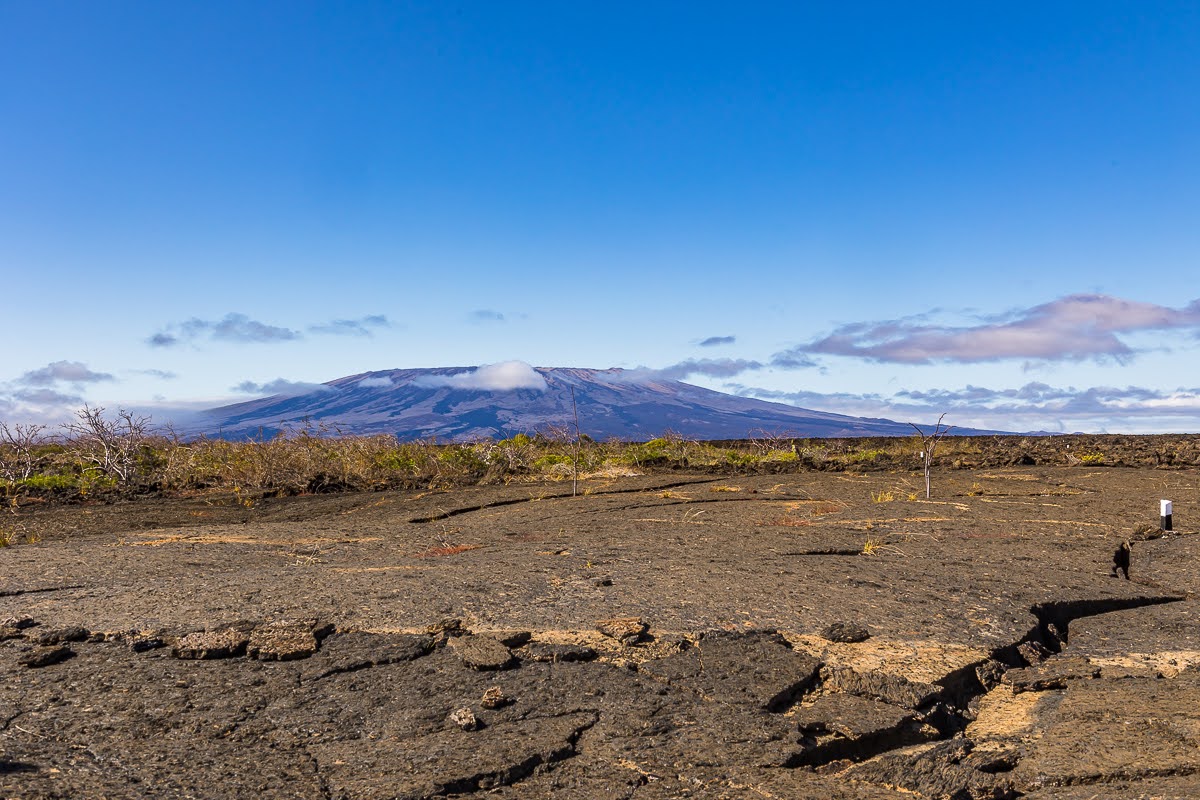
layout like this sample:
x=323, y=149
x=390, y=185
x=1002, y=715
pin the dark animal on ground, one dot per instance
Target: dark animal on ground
x=1121, y=559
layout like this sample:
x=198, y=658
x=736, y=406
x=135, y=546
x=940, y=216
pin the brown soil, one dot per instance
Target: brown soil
x=407, y=644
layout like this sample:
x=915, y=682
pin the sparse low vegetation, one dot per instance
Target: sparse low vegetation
x=109, y=456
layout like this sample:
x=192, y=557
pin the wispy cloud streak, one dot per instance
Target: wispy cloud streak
x=363, y=326
x=708, y=367
x=241, y=329
x=282, y=386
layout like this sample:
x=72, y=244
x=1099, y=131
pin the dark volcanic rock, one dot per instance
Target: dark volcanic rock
x=942, y=770
x=1051, y=674
x=842, y=726
x=482, y=652
x=511, y=638
x=990, y=673
x=437, y=764
x=758, y=668
x=73, y=633
x=846, y=632
x=851, y=717
x=144, y=644
x=45, y=656
x=1107, y=730
x=349, y=652
x=18, y=623
x=1033, y=652
x=545, y=651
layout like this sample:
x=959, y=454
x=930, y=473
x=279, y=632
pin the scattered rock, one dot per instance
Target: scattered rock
x=9, y=632
x=990, y=673
x=451, y=626
x=1033, y=652
x=512, y=638
x=19, y=623
x=543, y=651
x=626, y=630
x=73, y=633
x=494, y=697
x=1146, y=532
x=465, y=719
x=45, y=656
x=846, y=633
x=282, y=641
x=602, y=581
x=144, y=644
x=482, y=652
x=211, y=644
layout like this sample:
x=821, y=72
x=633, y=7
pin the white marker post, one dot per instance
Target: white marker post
x=1165, y=513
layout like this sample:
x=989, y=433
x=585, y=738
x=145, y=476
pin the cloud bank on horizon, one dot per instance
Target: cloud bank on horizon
x=1076, y=327
x=1073, y=328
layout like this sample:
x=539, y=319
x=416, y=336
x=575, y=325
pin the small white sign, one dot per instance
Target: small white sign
x=1165, y=505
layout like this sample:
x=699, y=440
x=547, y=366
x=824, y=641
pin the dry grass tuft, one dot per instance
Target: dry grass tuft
x=447, y=550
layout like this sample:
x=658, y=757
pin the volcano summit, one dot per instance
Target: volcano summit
x=501, y=400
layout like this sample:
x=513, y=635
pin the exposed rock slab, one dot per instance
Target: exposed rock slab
x=443, y=763
x=553, y=652
x=894, y=689
x=225, y=643
x=285, y=640
x=482, y=652
x=757, y=668
x=1054, y=673
x=356, y=650
x=1113, y=730
x=45, y=656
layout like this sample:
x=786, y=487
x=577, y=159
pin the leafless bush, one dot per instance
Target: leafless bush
x=929, y=443
x=767, y=442
x=19, y=444
x=110, y=446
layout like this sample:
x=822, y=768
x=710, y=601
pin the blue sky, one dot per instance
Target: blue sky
x=882, y=209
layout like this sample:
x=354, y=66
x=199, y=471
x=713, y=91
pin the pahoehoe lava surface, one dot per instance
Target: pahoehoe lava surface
x=791, y=636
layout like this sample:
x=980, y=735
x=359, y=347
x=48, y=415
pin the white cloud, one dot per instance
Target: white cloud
x=65, y=371
x=502, y=377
